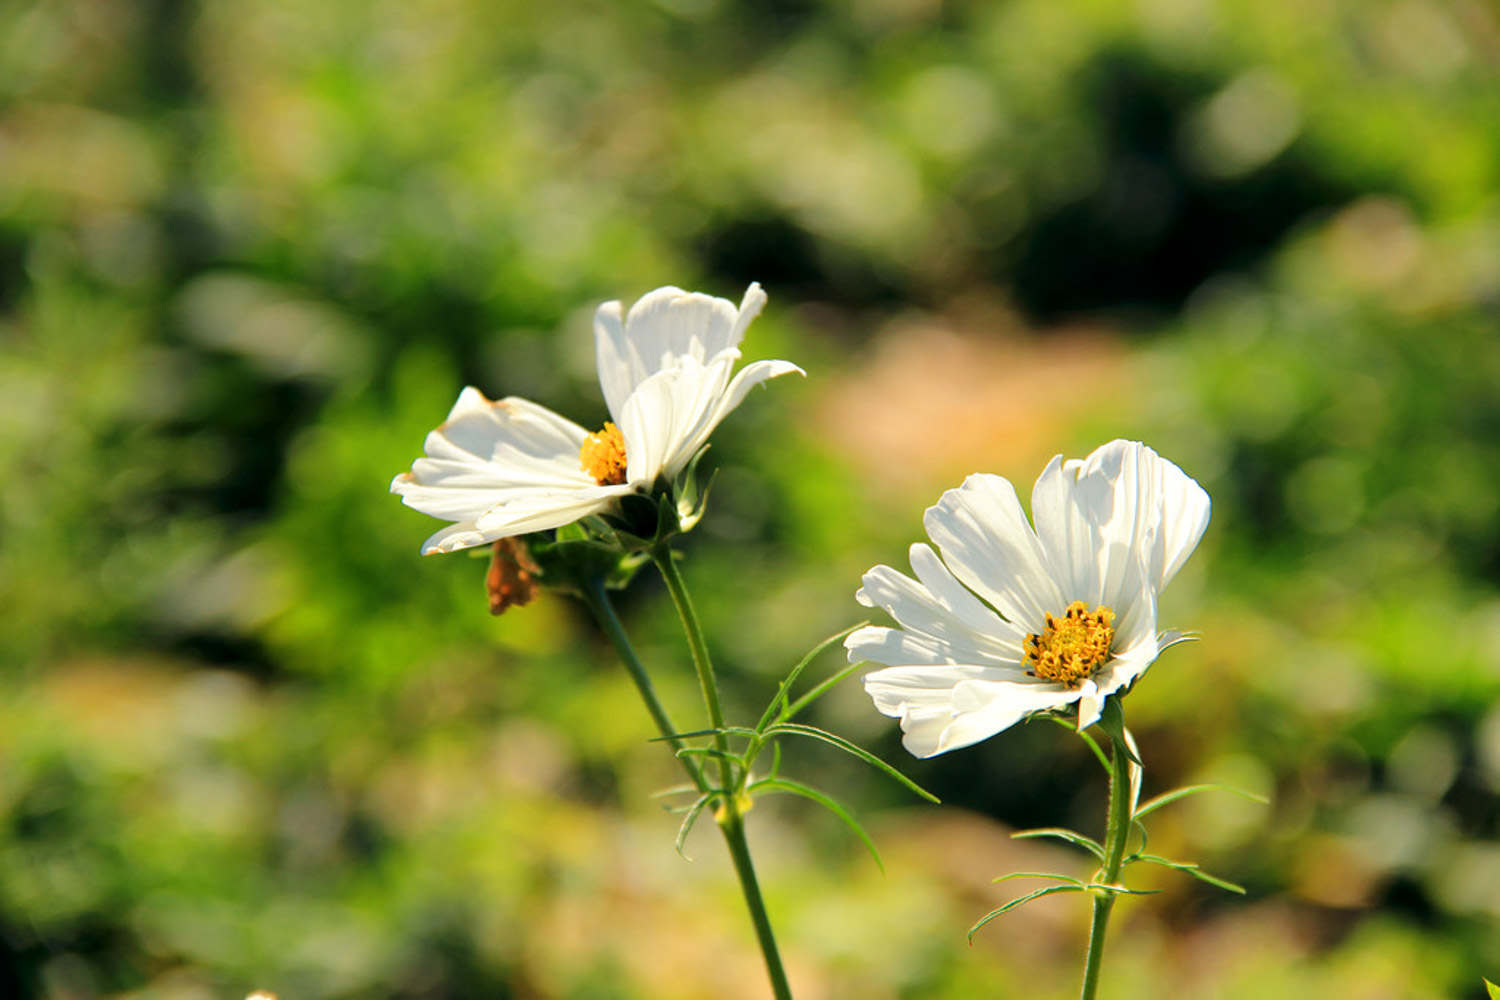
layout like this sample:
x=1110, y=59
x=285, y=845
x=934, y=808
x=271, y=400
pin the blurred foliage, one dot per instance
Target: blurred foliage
x=249, y=252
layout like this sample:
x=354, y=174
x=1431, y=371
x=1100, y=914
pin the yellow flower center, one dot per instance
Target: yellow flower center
x=603, y=455
x=1072, y=647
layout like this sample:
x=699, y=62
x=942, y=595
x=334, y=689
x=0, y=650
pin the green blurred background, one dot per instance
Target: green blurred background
x=249, y=251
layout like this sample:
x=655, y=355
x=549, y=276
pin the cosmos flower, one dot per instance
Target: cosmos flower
x=508, y=467
x=1009, y=620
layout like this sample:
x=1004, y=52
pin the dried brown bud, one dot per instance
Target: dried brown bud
x=511, y=581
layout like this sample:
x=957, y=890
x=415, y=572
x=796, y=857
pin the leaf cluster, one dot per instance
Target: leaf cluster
x=1139, y=855
x=776, y=723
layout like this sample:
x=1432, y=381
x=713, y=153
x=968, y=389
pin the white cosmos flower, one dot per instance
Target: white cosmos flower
x=509, y=467
x=986, y=637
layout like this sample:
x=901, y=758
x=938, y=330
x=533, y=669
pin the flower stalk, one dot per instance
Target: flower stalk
x=597, y=598
x=1117, y=830
x=730, y=818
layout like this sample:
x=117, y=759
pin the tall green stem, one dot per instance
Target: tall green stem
x=603, y=608
x=731, y=822
x=1117, y=829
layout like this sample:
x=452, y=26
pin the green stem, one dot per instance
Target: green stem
x=730, y=819
x=701, y=661
x=603, y=608
x=1117, y=829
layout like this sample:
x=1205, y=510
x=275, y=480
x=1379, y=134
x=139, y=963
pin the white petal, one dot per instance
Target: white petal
x=750, y=306
x=1129, y=663
x=646, y=425
x=510, y=428
x=895, y=688
x=958, y=600
x=906, y=648
x=455, y=473
x=448, y=503
x=935, y=719
x=1066, y=533
x=612, y=358
x=1135, y=609
x=1123, y=503
x=922, y=729
x=538, y=511
x=696, y=392
x=1142, y=504
x=487, y=452
x=988, y=544
x=1184, y=518
x=1124, y=669
x=668, y=322
x=949, y=638
x=1090, y=704
x=746, y=379
x=463, y=535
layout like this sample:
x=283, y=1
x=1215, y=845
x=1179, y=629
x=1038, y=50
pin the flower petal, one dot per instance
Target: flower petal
x=1123, y=503
x=668, y=323
x=537, y=511
x=1066, y=532
x=1185, y=510
x=907, y=648
x=945, y=636
x=491, y=451
x=943, y=709
x=751, y=304
x=463, y=535
x=612, y=358
x=959, y=601
x=695, y=434
x=507, y=428
x=988, y=544
x=1090, y=704
x=1153, y=509
x=646, y=424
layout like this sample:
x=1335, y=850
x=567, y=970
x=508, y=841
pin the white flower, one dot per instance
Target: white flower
x=1010, y=621
x=509, y=467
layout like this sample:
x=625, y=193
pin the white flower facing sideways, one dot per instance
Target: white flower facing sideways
x=1009, y=620
x=508, y=467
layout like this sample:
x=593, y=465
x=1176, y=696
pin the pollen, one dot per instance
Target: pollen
x=603, y=455
x=1072, y=647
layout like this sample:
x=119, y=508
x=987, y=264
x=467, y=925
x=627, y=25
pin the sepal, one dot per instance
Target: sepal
x=578, y=554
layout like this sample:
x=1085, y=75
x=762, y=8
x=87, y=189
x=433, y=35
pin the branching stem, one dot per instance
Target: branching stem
x=603, y=608
x=731, y=821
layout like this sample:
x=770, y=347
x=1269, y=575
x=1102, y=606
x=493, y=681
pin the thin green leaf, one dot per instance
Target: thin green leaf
x=785, y=690
x=1052, y=875
x=1094, y=746
x=1076, y=839
x=687, y=822
x=1193, y=870
x=711, y=752
x=827, y=685
x=1167, y=798
x=675, y=790
x=726, y=731
x=827, y=802
x=1494, y=990
x=1119, y=890
x=1015, y=903
x=1135, y=822
x=1222, y=883
x=1093, y=743
x=813, y=732
x=775, y=760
